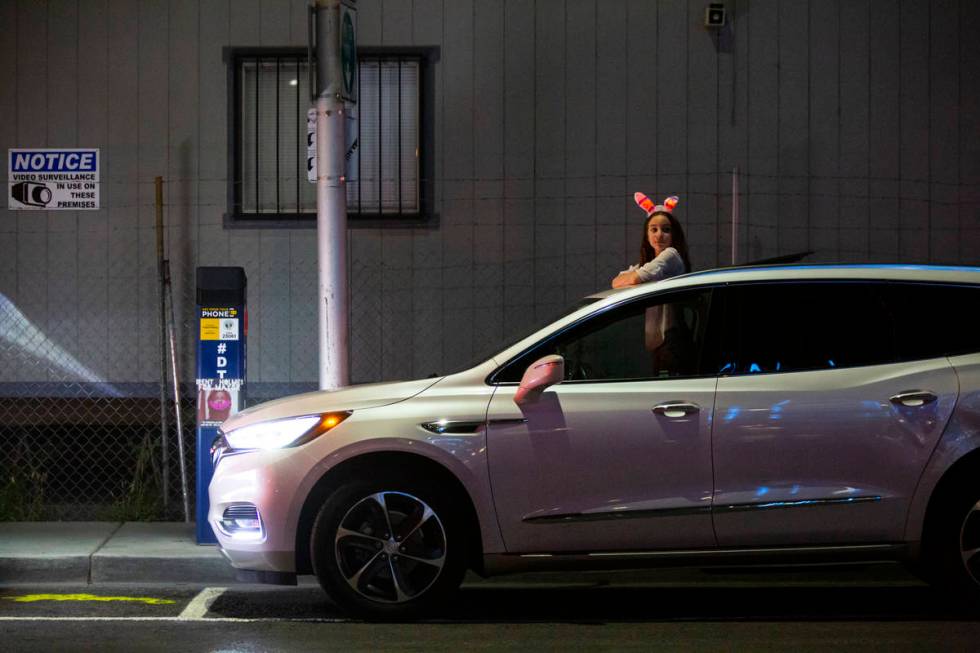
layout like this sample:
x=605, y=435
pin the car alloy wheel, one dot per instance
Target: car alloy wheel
x=970, y=542
x=390, y=547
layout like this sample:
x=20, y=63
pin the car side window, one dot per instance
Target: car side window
x=801, y=326
x=933, y=320
x=658, y=338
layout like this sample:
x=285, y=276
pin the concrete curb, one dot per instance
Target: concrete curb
x=102, y=552
x=142, y=569
x=159, y=552
x=55, y=569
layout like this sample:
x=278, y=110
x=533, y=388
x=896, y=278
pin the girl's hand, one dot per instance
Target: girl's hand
x=625, y=279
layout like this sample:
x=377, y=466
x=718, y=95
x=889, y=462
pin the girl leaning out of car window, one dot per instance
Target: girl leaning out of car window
x=663, y=254
x=663, y=249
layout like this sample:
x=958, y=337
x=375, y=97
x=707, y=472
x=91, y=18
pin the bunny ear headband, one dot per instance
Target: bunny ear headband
x=647, y=205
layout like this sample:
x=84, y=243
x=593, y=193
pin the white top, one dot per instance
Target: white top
x=667, y=263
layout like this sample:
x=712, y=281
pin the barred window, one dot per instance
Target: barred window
x=383, y=149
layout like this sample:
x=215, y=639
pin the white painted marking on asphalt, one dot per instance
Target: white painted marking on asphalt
x=325, y=620
x=198, y=607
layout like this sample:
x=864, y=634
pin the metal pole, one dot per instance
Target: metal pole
x=735, y=215
x=164, y=425
x=176, y=383
x=166, y=295
x=331, y=201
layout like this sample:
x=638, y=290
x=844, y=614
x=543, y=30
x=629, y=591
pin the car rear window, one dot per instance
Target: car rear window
x=794, y=326
x=933, y=320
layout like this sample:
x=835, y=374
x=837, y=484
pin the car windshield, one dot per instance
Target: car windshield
x=487, y=351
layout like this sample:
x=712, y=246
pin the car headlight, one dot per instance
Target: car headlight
x=289, y=432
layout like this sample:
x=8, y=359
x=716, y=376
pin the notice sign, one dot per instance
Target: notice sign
x=65, y=179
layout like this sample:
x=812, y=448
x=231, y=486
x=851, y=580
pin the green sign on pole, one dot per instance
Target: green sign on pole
x=348, y=52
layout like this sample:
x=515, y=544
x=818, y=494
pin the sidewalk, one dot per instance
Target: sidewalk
x=166, y=552
x=101, y=552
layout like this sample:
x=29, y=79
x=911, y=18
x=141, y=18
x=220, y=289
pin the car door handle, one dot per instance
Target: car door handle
x=914, y=398
x=675, y=409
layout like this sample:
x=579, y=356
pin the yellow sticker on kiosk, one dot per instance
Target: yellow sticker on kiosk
x=210, y=328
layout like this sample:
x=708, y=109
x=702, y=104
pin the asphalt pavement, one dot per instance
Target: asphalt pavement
x=149, y=586
x=720, y=613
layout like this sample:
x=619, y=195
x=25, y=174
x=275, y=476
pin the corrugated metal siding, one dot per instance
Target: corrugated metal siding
x=854, y=124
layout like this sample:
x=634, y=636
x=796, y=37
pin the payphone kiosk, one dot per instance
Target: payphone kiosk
x=222, y=332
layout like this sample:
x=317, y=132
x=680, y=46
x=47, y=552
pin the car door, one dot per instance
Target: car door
x=617, y=457
x=823, y=425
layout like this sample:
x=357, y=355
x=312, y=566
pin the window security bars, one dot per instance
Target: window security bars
x=383, y=138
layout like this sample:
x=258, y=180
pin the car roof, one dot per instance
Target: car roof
x=815, y=272
x=858, y=270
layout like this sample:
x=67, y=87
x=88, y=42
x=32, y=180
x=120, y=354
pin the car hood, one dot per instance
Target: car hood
x=355, y=397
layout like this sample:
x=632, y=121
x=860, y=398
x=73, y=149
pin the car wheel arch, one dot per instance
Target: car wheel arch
x=377, y=463
x=965, y=467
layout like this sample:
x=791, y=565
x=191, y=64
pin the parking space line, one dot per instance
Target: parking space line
x=198, y=607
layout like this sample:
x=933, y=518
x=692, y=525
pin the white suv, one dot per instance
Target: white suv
x=793, y=414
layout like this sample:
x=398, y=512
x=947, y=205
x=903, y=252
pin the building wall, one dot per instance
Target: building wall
x=854, y=125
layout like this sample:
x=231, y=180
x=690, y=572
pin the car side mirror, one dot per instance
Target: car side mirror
x=539, y=375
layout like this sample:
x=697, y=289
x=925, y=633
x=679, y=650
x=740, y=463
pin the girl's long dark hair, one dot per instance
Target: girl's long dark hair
x=677, y=238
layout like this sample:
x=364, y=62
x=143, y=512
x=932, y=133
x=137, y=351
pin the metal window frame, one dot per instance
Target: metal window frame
x=426, y=216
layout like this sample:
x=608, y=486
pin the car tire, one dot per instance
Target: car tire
x=951, y=546
x=377, y=574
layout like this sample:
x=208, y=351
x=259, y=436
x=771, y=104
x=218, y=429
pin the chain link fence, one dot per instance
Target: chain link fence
x=76, y=447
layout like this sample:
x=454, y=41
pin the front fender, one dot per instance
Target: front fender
x=462, y=456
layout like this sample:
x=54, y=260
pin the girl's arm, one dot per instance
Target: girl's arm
x=667, y=264
x=626, y=278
